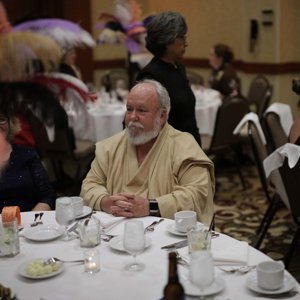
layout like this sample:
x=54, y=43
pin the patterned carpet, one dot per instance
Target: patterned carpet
x=239, y=212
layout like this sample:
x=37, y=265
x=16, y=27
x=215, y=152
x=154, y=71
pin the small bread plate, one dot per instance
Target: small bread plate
x=86, y=210
x=116, y=243
x=216, y=287
x=172, y=229
x=42, y=274
x=288, y=285
x=43, y=233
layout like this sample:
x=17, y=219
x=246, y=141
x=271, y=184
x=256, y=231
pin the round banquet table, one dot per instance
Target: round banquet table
x=111, y=282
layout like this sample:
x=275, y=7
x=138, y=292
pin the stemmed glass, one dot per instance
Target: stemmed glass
x=64, y=214
x=201, y=270
x=134, y=243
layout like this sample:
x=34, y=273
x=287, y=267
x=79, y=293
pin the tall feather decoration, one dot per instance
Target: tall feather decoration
x=24, y=53
x=5, y=26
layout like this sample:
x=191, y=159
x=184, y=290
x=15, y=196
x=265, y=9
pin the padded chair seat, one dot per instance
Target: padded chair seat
x=83, y=148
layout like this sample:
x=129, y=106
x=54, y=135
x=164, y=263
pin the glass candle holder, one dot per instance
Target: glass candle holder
x=91, y=261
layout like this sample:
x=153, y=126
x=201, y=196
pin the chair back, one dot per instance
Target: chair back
x=260, y=153
x=275, y=133
x=290, y=178
x=260, y=94
x=229, y=114
x=63, y=145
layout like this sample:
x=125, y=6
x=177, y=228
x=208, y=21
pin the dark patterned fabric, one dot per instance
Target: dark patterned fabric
x=24, y=181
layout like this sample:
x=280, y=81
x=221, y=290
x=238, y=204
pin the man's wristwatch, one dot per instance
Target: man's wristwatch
x=153, y=208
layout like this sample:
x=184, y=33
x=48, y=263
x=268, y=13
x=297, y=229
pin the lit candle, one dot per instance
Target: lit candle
x=92, y=261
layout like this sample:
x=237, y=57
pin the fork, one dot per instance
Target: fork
x=35, y=223
x=150, y=228
x=180, y=260
x=40, y=222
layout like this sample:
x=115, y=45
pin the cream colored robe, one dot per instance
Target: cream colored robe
x=176, y=172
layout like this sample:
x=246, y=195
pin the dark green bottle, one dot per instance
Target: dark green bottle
x=173, y=289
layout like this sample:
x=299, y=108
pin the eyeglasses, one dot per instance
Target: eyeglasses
x=3, y=120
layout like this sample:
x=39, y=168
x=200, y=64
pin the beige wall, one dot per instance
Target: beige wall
x=227, y=21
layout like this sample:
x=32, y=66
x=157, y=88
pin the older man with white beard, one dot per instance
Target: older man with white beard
x=150, y=168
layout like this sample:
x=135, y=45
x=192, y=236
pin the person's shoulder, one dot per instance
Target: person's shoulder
x=111, y=143
x=25, y=151
x=182, y=140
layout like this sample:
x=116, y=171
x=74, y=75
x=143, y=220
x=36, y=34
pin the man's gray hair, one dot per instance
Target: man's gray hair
x=162, y=31
x=162, y=93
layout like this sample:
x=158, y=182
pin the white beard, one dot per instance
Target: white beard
x=144, y=137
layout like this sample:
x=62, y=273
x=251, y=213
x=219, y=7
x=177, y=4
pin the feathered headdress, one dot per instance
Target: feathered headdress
x=66, y=33
x=125, y=25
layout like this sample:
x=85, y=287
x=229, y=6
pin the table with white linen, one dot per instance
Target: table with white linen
x=112, y=282
x=105, y=120
x=207, y=104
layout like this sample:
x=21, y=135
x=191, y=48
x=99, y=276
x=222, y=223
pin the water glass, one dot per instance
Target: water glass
x=9, y=238
x=89, y=232
x=199, y=238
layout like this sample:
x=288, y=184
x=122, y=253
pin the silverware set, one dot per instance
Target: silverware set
x=37, y=219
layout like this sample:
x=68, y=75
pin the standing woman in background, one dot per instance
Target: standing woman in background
x=223, y=77
x=166, y=40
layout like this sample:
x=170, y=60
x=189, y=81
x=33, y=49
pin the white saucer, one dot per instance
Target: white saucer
x=172, y=229
x=43, y=233
x=85, y=211
x=288, y=284
x=216, y=287
x=116, y=243
x=22, y=270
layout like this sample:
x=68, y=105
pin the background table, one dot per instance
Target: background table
x=112, y=282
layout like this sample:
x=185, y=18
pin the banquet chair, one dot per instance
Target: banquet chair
x=259, y=94
x=223, y=141
x=64, y=150
x=290, y=178
x=274, y=131
x=270, y=186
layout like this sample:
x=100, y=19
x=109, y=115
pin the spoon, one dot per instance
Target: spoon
x=53, y=260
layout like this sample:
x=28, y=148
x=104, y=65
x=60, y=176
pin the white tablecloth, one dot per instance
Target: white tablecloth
x=111, y=282
x=207, y=104
x=106, y=121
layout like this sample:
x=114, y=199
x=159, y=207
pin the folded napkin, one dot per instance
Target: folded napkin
x=275, y=160
x=285, y=115
x=254, y=118
x=233, y=253
x=108, y=222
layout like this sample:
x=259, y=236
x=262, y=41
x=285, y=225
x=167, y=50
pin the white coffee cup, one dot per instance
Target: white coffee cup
x=270, y=275
x=77, y=205
x=185, y=220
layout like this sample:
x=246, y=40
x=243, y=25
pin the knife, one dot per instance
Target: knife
x=177, y=245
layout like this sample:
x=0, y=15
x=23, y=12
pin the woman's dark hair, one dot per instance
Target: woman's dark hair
x=162, y=31
x=225, y=52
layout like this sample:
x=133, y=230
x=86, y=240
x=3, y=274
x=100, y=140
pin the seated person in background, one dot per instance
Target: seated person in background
x=294, y=136
x=23, y=179
x=223, y=77
x=68, y=63
x=150, y=168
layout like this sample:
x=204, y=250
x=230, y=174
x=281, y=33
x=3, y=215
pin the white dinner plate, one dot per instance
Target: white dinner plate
x=116, y=243
x=288, y=284
x=216, y=287
x=86, y=210
x=22, y=270
x=172, y=229
x=43, y=233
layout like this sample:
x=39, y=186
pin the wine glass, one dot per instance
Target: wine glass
x=64, y=214
x=201, y=271
x=134, y=243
